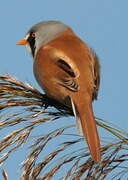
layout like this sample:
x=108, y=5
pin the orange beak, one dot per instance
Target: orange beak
x=22, y=42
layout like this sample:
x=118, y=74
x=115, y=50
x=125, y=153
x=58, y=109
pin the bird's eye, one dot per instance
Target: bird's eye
x=33, y=34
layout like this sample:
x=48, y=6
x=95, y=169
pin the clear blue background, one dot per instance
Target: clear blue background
x=103, y=24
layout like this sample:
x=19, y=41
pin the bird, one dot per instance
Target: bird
x=68, y=71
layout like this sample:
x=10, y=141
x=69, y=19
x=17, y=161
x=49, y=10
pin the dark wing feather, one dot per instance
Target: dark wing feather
x=96, y=75
x=66, y=67
x=68, y=82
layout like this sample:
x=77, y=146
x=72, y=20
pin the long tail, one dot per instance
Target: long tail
x=86, y=121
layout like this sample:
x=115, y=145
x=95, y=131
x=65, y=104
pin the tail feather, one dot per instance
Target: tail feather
x=78, y=123
x=86, y=125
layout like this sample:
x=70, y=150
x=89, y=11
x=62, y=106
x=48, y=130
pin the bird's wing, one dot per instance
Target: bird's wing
x=67, y=81
x=71, y=84
x=66, y=67
x=96, y=75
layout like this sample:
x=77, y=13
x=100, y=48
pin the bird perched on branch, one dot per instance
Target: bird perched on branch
x=69, y=72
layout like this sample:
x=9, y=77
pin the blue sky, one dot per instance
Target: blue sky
x=103, y=24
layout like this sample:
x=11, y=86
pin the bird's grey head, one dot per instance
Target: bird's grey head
x=42, y=33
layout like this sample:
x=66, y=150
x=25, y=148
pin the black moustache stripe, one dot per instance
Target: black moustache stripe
x=31, y=41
